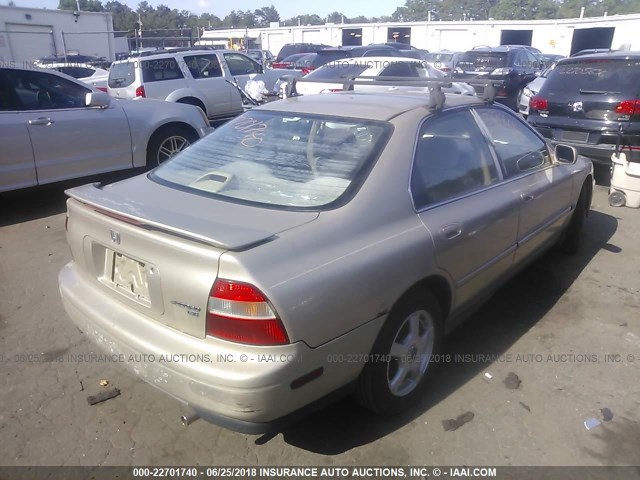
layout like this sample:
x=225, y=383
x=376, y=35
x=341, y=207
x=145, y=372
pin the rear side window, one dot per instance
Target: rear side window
x=595, y=76
x=203, y=66
x=519, y=149
x=452, y=159
x=401, y=69
x=122, y=75
x=240, y=64
x=162, y=69
x=77, y=72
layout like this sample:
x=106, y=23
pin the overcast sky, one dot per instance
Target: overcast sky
x=286, y=8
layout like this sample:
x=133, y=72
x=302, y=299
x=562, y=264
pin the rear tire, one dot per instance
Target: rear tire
x=168, y=142
x=570, y=243
x=393, y=379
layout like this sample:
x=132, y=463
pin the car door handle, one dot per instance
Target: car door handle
x=41, y=121
x=527, y=197
x=451, y=231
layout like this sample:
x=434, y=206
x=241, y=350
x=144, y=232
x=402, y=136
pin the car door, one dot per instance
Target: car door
x=209, y=79
x=542, y=187
x=458, y=191
x=17, y=166
x=69, y=139
x=243, y=69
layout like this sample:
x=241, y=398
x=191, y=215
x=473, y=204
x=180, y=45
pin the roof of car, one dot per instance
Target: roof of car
x=171, y=53
x=373, y=106
x=615, y=55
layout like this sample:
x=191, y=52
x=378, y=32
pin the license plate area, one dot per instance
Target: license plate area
x=130, y=277
x=573, y=136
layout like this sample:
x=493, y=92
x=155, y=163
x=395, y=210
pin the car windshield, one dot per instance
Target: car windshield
x=482, y=60
x=338, y=70
x=595, y=76
x=280, y=160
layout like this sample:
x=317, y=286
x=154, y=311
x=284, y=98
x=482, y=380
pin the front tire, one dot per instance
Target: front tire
x=167, y=143
x=392, y=380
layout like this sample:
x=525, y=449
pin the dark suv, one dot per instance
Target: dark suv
x=292, y=48
x=585, y=99
x=515, y=66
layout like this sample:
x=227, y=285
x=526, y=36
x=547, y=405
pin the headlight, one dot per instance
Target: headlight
x=501, y=71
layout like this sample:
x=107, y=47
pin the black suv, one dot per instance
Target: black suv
x=292, y=48
x=584, y=101
x=514, y=66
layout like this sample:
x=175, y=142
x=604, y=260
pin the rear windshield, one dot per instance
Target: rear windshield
x=604, y=76
x=279, y=160
x=326, y=56
x=121, y=75
x=439, y=57
x=479, y=61
x=289, y=50
x=338, y=70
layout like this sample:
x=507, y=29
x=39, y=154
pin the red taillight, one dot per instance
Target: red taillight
x=140, y=91
x=330, y=90
x=538, y=103
x=280, y=65
x=629, y=107
x=306, y=70
x=445, y=69
x=102, y=89
x=239, y=312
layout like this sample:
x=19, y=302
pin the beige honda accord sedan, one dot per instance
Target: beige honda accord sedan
x=316, y=246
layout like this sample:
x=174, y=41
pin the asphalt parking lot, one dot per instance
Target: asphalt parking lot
x=568, y=327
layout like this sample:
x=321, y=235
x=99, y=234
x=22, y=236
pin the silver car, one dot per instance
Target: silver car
x=315, y=245
x=53, y=128
x=527, y=93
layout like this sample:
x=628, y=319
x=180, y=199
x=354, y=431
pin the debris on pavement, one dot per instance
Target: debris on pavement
x=525, y=406
x=104, y=383
x=488, y=375
x=607, y=414
x=591, y=423
x=81, y=386
x=451, y=424
x=102, y=396
x=512, y=381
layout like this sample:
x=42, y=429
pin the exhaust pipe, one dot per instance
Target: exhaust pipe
x=188, y=418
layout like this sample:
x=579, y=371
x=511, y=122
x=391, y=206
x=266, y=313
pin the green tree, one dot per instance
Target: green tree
x=336, y=17
x=85, y=5
x=265, y=15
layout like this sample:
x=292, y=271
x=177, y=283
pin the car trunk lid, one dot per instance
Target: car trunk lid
x=156, y=248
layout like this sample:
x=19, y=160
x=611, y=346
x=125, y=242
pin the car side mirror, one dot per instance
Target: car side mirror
x=565, y=154
x=97, y=100
x=260, y=69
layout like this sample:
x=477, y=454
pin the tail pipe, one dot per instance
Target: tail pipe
x=188, y=418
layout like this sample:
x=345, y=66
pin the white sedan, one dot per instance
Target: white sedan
x=55, y=128
x=94, y=76
x=395, y=67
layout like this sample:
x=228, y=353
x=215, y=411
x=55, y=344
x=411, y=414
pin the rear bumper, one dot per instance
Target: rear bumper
x=243, y=388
